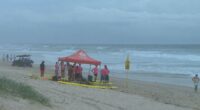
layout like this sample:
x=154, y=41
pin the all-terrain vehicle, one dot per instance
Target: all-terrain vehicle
x=23, y=61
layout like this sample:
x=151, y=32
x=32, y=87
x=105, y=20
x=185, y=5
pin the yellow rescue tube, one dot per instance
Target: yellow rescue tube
x=88, y=86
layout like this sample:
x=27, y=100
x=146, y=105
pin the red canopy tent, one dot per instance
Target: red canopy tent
x=80, y=57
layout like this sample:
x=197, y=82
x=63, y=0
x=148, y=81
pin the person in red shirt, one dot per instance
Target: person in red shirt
x=105, y=74
x=78, y=72
x=95, y=72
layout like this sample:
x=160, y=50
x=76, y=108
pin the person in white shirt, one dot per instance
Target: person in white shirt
x=195, y=79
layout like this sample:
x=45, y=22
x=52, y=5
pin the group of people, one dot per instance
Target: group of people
x=74, y=72
x=8, y=58
x=104, y=73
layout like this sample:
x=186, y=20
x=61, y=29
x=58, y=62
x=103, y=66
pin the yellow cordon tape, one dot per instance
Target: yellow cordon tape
x=88, y=86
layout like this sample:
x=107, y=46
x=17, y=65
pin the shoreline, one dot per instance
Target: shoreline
x=163, y=78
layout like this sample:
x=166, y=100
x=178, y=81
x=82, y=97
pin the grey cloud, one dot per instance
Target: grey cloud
x=130, y=21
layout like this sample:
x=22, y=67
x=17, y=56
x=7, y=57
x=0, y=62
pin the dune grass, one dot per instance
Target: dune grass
x=10, y=87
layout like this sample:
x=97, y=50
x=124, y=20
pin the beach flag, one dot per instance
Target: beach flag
x=127, y=68
x=127, y=63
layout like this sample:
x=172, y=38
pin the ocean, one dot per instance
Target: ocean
x=160, y=59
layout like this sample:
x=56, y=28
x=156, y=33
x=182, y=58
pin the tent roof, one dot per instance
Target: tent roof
x=80, y=57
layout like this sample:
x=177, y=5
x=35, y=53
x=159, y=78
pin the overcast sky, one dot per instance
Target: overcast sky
x=100, y=21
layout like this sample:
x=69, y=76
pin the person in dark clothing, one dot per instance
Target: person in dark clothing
x=7, y=57
x=42, y=69
x=71, y=73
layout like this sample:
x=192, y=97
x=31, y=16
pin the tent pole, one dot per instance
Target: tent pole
x=100, y=72
x=89, y=69
x=127, y=72
x=89, y=72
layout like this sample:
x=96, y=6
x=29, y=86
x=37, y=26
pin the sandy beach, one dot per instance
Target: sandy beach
x=119, y=55
x=140, y=95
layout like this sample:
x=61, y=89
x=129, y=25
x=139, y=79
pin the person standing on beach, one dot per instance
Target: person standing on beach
x=95, y=72
x=59, y=71
x=42, y=69
x=80, y=70
x=70, y=73
x=56, y=69
x=7, y=57
x=66, y=69
x=195, y=79
x=62, y=69
x=105, y=74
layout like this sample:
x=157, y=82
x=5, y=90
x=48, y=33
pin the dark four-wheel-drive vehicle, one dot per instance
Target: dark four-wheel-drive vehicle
x=23, y=61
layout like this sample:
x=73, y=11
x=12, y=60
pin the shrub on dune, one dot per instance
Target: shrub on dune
x=13, y=88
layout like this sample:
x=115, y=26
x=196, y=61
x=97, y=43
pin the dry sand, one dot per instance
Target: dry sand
x=140, y=96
